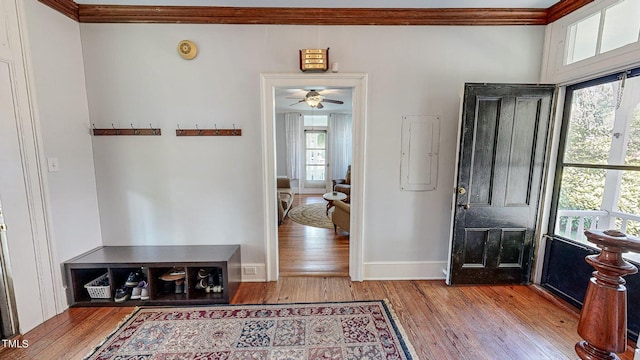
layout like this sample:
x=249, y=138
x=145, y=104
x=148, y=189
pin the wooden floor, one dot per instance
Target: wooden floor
x=310, y=251
x=441, y=322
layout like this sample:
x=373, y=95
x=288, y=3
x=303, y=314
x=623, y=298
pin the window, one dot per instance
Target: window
x=315, y=155
x=609, y=29
x=315, y=150
x=316, y=120
x=598, y=171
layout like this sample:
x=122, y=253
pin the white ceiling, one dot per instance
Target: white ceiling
x=337, y=3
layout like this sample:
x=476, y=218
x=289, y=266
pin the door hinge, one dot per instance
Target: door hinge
x=3, y=227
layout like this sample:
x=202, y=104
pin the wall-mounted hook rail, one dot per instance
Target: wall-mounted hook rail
x=209, y=132
x=126, y=131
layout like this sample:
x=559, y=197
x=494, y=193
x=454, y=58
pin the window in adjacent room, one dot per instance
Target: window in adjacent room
x=315, y=155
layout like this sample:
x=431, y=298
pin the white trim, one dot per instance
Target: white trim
x=405, y=270
x=56, y=301
x=356, y=81
x=549, y=180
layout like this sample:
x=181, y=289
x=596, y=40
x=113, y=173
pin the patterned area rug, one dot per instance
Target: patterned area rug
x=348, y=330
x=312, y=215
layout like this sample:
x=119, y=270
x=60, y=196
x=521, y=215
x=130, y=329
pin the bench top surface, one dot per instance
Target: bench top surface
x=156, y=254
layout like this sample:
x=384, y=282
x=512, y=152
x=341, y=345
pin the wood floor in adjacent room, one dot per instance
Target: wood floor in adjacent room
x=310, y=251
x=441, y=322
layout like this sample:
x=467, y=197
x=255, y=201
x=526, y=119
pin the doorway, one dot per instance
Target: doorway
x=313, y=148
x=358, y=84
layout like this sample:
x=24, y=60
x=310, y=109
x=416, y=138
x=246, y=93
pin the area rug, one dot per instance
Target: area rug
x=312, y=215
x=348, y=330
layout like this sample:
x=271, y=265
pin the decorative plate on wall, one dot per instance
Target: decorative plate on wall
x=187, y=49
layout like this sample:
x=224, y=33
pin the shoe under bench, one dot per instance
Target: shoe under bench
x=119, y=261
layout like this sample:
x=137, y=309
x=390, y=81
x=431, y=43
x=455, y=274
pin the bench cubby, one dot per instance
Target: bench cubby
x=222, y=261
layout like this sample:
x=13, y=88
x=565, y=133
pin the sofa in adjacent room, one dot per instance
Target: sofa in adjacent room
x=285, y=197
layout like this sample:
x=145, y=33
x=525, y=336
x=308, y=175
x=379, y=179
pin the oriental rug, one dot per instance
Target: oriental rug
x=347, y=330
x=312, y=215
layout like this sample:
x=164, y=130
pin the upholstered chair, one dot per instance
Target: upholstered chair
x=285, y=197
x=341, y=216
x=344, y=185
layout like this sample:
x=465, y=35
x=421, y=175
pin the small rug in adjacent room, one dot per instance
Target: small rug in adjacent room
x=312, y=215
x=347, y=330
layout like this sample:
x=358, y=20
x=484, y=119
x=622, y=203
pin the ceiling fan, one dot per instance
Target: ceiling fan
x=315, y=100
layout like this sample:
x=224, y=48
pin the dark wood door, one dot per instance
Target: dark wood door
x=500, y=167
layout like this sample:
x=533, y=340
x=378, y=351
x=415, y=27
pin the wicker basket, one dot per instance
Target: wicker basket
x=98, y=291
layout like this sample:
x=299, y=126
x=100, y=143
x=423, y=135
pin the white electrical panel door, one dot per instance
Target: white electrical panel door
x=420, y=146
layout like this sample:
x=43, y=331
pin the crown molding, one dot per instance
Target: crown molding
x=86, y=13
x=305, y=16
x=66, y=7
x=564, y=8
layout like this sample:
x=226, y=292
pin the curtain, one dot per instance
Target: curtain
x=293, y=136
x=340, y=144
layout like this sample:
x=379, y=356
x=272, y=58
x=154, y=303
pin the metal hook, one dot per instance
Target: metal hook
x=153, y=131
x=179, y=130
x=234, y=130
x=199, y=131
x=116, y=130
x=135, y=131
x=94, y=126
x=216, y=127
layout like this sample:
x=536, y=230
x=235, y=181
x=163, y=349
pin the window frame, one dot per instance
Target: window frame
x=564, y=127
x=554, y=67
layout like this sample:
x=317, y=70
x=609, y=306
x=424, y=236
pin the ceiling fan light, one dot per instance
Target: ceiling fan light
x=313, y=101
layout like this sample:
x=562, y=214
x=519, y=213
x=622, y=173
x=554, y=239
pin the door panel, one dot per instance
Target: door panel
x=502, y=148
x=484, y=133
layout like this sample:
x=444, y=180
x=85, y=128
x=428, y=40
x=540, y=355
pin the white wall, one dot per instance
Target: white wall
x=188, y=190
x=63, y=114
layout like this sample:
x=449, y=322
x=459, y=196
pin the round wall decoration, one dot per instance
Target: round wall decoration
x=187, y=49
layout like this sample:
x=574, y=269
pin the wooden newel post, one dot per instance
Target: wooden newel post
x=603, y=320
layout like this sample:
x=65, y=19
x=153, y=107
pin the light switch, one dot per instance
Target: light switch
x=53, y=164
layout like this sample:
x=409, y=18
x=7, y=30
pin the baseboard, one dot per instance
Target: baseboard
x=404, y=270
x=256, y=272
x=383, y=270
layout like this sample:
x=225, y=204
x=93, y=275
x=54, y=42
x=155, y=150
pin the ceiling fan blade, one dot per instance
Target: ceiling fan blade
x=333, y=101
x=298, y=102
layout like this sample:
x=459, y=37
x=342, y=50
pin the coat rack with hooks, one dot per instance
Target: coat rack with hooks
x=126, y=131
x=209, y=132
